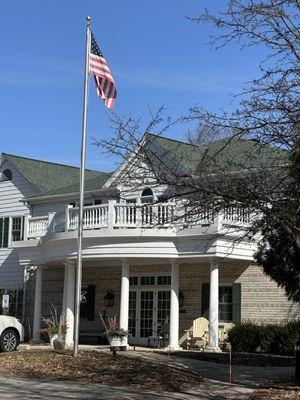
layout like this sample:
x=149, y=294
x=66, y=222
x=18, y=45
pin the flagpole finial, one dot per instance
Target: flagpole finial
x=88, y=19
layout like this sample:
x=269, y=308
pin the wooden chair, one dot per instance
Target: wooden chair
x=197, y=337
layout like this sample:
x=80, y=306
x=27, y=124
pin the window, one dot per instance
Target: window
x=7, y=175
x=230, y=297
x=147, y=196
x=134, y=280
x=17, y=229
x=225, y=303
x=98, y=202
x=131, y=201
x=4, y=227
x=164, y=280
x=15, y=302
x=147, y=280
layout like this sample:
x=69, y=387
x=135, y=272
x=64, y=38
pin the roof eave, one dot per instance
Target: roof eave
x=38, y=199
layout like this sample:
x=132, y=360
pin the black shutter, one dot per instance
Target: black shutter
x=205, y=300
x=23, y=228
x=5, y=231
x=1, y=232
x=236, y=303
x=91, y=291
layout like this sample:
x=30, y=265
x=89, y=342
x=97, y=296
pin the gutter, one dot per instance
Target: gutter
x=108, y=191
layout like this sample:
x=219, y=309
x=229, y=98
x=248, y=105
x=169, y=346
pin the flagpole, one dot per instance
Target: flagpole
x=81, y=203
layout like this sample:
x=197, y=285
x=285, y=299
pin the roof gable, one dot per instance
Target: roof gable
x=231, y=154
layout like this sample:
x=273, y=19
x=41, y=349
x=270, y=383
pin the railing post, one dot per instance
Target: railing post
x=111, y=214
x=67, y=218
x=50, y=219
x=219, y=221
x=138, y=213
x=25, y=228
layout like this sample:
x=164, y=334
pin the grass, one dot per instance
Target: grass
x=96, y=367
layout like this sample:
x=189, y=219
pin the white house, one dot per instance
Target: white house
x=135, y=262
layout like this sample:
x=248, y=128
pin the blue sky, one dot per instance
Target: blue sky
x=156, y=56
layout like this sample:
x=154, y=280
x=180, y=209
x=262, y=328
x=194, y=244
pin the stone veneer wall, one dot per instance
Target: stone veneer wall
x=262, y=300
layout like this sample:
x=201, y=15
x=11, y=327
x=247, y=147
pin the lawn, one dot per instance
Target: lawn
x=96, y=367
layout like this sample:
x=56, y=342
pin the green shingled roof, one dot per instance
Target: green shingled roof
x=231, y=153
x=52, y=179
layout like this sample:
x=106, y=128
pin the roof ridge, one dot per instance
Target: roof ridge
x=50, y=162
x=174, y=140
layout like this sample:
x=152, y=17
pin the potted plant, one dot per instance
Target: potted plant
x=117, y=337
x=56, y=327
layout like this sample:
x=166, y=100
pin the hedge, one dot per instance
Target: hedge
x=271, y=339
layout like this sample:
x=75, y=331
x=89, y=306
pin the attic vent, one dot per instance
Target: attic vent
x=6, y=175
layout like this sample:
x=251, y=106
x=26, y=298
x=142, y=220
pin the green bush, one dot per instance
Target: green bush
x=270, y=339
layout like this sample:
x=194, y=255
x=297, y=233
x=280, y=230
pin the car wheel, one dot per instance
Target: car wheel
x=9, y=340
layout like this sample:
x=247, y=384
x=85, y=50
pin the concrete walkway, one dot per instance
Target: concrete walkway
x=214, y=386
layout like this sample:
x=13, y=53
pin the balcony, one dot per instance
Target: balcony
x=165, y=217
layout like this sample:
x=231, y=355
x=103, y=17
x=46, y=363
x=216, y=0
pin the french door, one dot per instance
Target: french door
x=149, y=312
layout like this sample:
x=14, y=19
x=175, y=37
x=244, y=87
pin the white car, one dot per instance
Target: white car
x=11, y=333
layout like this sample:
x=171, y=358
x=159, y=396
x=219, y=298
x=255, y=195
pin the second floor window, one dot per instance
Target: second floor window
x=17, y=229
x=147, y=196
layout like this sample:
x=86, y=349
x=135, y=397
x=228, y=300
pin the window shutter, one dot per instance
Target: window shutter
x=4, y=227
x=5, y=231
x=1, y=232
x=205, y=300
x=91, y=291
x=236, y=303
x=23, y=228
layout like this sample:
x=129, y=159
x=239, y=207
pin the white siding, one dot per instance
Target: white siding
x=11, y=192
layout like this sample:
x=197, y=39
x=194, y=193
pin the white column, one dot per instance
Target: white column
x=68, y=302
x=36, y=337
x=174, y=312
x=213, y=343
x=124, y=301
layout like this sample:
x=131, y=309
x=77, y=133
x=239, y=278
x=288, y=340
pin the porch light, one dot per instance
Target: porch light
x=109, y=299
x=181, y=299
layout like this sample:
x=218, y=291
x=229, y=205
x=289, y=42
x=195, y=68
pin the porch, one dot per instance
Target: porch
x=148, y=298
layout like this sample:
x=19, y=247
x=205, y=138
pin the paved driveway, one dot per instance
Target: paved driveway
x=33, y=389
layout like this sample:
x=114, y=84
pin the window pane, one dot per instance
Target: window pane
x=225, y=303
x=133, y=280
x=16, y=230
x=164, y=280
x=147, y=280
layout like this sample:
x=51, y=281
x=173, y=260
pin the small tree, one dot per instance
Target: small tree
x=265, y=176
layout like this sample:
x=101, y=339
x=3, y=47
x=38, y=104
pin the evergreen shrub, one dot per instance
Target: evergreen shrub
x=270, y=339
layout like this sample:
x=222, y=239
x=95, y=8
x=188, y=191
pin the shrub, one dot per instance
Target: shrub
x=245, y=337
x=271, y=339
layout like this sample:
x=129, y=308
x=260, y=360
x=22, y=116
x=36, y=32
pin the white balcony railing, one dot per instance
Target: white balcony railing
x=130, y=216
x=37, y=227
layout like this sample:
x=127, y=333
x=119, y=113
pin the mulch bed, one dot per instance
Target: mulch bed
x=288, y=390
x=96, y=367
x=247, y=359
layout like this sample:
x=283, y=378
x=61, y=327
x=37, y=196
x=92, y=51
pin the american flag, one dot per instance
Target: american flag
x=105, y=83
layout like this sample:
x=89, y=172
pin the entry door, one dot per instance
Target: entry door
x=149, y=311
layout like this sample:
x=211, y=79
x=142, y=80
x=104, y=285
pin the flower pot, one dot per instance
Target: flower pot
x=52, y=337
x=117, y=343
x=59, y=343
